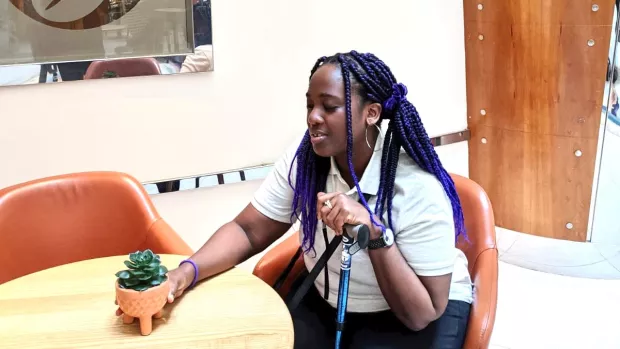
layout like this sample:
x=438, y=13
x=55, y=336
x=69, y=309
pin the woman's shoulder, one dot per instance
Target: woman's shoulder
x=417, y=183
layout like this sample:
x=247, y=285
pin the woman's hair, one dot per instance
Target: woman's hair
x=375, y=83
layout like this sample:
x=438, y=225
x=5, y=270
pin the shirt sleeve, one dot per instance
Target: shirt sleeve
x=200, y=61
x=427, y=237
x=274, y=197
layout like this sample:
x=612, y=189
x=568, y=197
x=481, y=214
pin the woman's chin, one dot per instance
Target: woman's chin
x=321, y=150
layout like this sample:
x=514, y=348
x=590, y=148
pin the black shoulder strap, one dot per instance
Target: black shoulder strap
x=367, y=196
x=309, y=280
x=287, y=270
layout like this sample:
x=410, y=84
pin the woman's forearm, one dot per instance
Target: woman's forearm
x=228, y=247
x=401, y=287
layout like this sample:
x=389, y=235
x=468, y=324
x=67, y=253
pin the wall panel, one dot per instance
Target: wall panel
x=535, y=81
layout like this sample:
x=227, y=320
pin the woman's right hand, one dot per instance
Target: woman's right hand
x=178, y=279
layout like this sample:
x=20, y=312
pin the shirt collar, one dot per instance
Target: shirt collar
x=369, y=183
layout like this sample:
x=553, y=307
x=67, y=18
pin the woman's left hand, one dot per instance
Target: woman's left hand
x=343, y=210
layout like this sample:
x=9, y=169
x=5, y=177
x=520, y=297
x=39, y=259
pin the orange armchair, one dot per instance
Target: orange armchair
x=67, y=218
x=481, y=252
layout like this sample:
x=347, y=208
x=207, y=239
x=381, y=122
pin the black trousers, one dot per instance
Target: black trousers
x=314, y=324
x=73, y=70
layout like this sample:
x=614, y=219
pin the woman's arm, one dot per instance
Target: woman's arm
x=248, y=234
x=415, y=300
x=415, y=273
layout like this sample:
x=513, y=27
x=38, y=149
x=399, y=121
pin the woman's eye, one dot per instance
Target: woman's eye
x=330, y=108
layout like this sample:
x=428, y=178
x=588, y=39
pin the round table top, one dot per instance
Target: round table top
x=72, y=306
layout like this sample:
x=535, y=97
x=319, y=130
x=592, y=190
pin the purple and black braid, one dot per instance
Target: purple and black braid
x=375, y=83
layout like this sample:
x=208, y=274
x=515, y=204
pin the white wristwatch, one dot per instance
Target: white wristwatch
x=385, y=240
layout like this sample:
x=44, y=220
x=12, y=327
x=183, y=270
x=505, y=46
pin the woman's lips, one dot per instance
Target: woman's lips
x=316, y=138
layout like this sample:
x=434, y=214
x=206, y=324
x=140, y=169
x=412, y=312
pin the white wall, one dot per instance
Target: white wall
x=247, y=110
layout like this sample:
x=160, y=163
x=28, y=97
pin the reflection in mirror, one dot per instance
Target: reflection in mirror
x=46, y=41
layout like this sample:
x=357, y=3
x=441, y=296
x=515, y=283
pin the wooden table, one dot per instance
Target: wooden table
x=72, y=306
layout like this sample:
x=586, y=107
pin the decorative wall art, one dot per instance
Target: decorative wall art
x=44, y=41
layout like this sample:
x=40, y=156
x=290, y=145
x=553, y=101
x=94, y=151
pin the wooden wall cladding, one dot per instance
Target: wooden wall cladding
x=535, y=81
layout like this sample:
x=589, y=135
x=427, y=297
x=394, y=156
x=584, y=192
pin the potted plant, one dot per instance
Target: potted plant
x=142, y=290
x=109, y=74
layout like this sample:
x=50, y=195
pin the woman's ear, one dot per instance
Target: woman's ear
x=373, y=113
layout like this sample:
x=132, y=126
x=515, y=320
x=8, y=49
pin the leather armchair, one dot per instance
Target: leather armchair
x=481, y=252
x=123, y=67
x=67, y=218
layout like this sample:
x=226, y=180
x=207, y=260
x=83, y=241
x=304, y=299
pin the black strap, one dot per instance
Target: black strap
x=309, y=280
x=326, y=274
x=288, y=269
x=366, y=196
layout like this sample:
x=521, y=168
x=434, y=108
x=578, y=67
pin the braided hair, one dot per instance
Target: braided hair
x=375, y=83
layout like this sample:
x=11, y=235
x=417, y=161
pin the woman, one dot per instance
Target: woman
x=411, y=287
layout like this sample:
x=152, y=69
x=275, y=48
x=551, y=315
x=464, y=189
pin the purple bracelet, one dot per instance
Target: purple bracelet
x=195, y=271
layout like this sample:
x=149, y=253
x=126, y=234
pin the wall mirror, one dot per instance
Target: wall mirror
x=48, y=41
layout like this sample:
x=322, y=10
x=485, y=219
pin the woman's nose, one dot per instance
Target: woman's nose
x=314, y=118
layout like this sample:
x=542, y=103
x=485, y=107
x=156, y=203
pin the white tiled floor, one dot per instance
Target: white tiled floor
x=547, y=311
x=556, y=294
x=579, y=259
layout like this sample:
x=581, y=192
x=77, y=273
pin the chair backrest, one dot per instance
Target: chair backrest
x=123, y=67
x=62, y=219
x=481, y=251
x=479, y=219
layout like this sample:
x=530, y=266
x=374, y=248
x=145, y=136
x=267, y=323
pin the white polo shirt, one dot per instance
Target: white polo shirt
x=423, y=228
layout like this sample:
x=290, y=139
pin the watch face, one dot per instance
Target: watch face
x=388, y=237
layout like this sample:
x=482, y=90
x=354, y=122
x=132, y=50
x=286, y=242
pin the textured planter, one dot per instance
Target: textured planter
x=143, y=305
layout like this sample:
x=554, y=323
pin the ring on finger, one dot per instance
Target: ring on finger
x=328, y=204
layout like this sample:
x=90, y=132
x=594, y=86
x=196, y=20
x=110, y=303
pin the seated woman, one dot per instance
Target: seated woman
x=365, y=148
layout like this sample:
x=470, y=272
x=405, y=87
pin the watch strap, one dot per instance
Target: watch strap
x=374, y=244
x=379, y=242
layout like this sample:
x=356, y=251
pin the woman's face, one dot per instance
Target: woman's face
x=326, y=118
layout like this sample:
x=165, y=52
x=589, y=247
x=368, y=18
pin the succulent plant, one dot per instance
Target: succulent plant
x=145, y=271
x=109, y=74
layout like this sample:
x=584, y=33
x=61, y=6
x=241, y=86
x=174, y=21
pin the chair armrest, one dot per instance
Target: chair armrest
x=273, y=263
x=482, y=315
x=162, y=239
